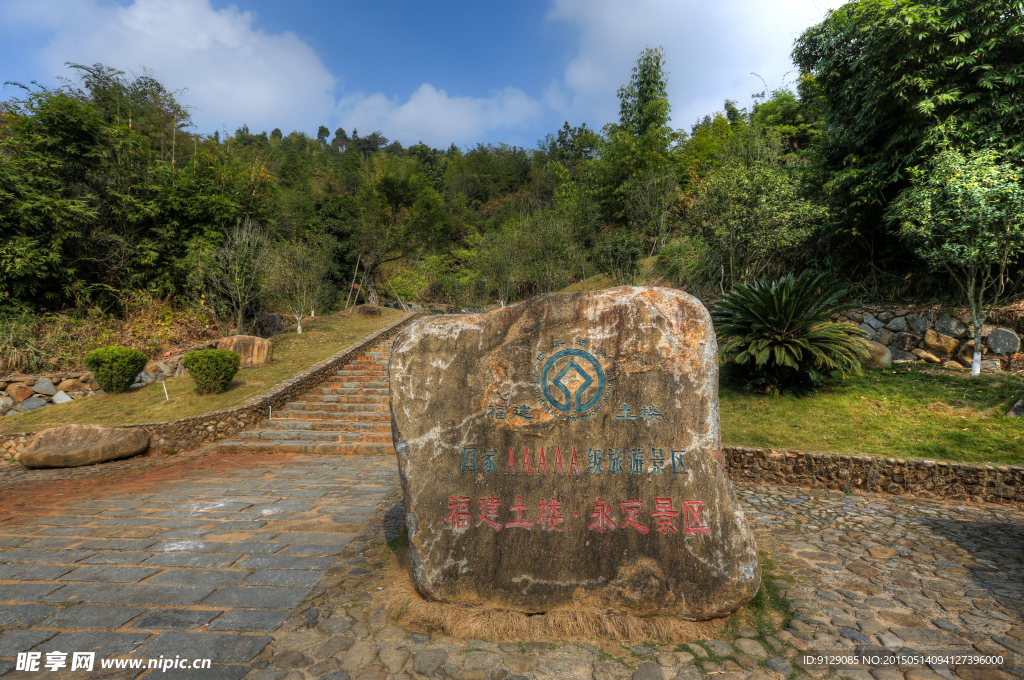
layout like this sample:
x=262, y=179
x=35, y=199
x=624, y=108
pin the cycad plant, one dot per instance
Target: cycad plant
x=775, y=336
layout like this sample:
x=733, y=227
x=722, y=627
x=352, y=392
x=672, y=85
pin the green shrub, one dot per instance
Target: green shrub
x=776, y=336
x=115, y=368
x=212, y=369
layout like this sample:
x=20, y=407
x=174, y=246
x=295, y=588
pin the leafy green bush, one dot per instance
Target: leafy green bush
x=212, y=369
x=775, y=336
x=115, y=367
x=619, y=254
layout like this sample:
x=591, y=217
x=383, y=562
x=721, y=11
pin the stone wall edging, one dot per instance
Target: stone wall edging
x=182, y=434
x=920, y=478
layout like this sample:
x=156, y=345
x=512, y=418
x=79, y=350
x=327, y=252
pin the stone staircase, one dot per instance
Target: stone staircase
x=349, y=415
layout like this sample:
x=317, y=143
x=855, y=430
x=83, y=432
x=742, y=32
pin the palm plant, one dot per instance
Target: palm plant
x=776, y=336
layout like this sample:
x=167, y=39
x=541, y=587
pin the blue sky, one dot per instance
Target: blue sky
x=462, y=72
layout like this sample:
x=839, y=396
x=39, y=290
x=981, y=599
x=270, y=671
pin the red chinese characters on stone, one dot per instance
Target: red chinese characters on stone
x=632, y=508
x=601, y=519
x=458, y=517
x=519, y=508
x=557, y=467
x=489, y=512
x=665, y=515
x=695, y=523
x=551, y=516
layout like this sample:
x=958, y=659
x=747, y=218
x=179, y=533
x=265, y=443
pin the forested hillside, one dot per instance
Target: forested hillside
x=108, y=191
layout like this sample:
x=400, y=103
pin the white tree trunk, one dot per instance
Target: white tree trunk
x=976, y=363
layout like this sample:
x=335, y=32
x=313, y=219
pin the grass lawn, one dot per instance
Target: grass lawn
x=912, y=412
x=321, y=337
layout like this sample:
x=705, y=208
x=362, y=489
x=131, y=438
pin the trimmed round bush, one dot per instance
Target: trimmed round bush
x=212, y=369
x=115, y=367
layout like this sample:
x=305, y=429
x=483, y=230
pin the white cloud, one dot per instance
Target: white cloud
x=431, y=115
x=711, y=48
x=234, y=73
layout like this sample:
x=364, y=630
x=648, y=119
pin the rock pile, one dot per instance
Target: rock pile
x=25, y=393
x=929, y=336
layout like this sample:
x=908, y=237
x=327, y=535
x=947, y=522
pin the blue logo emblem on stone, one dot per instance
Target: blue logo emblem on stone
x=589, y=372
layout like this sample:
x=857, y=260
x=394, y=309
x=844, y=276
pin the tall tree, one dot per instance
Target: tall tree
x=643, y=102
x=398, y=214
x=637, y=159
x=965, y=216
x=899, y=78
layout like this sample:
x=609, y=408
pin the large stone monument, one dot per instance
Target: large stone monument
x=566, y=450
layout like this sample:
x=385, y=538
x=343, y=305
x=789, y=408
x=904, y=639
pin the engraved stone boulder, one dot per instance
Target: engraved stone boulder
x=254, y=351
x=565, y=451
x=75, y=445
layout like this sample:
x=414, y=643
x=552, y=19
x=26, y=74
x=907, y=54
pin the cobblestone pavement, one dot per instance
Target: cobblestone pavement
x=880, y=588
x=202, y=562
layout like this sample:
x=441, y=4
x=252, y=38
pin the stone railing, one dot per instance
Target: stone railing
x=876, y=474
x=182, y=434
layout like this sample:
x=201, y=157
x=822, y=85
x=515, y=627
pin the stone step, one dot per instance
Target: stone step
x=317, y=435
x=339, y=389
x=335, y=416
x=333, y=405
x=381, y=424
x=344, y=398
x=349, y=415
x=340, y=409
x=306, y=448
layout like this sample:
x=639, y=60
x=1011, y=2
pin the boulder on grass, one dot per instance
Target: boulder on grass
x=880, y=356
x=368, y=310
x=75, y=445
x=254, y=351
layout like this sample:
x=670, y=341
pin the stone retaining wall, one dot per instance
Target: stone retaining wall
x=187, y=433
x=929, y=334
x=920, y=478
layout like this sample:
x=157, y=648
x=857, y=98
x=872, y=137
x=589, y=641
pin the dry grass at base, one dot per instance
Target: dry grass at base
x=59, y=342
x=321, y=337
x=581, y=624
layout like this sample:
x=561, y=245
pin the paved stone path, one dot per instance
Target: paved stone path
x=236, y=562
x=348, y=415
x=205, y=563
